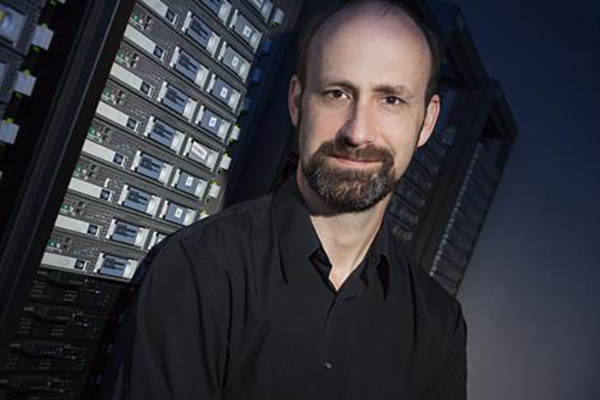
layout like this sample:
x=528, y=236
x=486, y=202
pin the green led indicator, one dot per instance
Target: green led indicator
x=78, y=168
x=51, y=243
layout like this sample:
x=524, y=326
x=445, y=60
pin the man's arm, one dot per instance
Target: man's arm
x=451, y=383
x=172, y=343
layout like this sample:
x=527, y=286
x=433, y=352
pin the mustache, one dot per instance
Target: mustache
x=339, y=149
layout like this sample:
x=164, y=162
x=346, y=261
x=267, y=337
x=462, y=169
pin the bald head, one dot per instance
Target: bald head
x=387, y=15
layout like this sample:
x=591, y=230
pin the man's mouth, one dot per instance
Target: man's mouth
x=354, y=161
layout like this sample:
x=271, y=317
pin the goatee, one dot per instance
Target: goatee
x=350, y=189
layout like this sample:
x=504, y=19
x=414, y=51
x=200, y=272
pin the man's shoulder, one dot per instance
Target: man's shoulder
x=238, y=214
x=228, y=226
x=428, y=294
x=209, y=244
x=437, y=300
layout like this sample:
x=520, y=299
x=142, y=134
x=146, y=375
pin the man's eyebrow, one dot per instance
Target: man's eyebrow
x=399, y=90
x=336, y=81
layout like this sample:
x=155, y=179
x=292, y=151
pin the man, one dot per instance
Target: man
x=305, y=294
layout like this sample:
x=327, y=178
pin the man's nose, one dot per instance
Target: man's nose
x=358, y=129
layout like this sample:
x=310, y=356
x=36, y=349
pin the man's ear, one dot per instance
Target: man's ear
x=431, y=115
x=294, y=99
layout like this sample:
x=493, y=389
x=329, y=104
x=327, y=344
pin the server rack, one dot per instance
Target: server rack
x=43, y=115
x=124, y=120
x=472, y=143
x=146, y=108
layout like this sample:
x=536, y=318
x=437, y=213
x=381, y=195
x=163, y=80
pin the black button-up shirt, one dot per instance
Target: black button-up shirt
x=239, y=307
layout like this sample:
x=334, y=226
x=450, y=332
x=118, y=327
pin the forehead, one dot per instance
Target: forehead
x=369, y=44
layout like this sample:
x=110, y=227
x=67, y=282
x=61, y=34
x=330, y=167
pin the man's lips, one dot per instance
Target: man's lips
x=354, y=162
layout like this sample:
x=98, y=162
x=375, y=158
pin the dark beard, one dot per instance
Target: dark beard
x=348, y=189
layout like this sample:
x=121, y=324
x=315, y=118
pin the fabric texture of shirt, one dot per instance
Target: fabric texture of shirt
x=239, y=307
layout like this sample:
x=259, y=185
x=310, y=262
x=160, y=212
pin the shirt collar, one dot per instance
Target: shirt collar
x=296, y=236
x=298, y=240
x=378, y=256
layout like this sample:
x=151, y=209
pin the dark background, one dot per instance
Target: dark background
x=531, y=294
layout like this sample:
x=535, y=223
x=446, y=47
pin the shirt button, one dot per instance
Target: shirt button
x=327, y=365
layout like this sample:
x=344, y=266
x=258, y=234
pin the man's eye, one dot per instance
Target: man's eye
x=392, y=100
x=336, y=94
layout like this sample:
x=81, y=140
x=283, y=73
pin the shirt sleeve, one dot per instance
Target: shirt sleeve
x=172, y=344
x=451, y=383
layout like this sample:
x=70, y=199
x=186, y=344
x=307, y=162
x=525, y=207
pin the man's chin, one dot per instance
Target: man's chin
x=346, y=193
x=348, y=188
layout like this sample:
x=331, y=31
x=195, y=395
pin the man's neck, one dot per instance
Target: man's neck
x=346, y=237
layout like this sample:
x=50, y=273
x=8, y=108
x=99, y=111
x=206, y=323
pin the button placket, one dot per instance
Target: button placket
x=326, y=362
